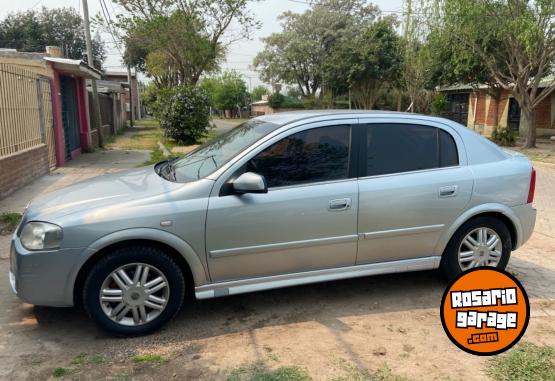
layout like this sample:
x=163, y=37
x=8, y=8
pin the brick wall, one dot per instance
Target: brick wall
x=481, y=108
x=503, y=99
x=21, y=168
x=543, y=114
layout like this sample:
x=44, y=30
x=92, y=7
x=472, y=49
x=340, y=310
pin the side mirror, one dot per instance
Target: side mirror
x=250, y=182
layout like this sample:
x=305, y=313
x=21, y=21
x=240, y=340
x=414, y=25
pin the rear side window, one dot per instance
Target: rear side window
x=315, y=155
x=395, y=148
x=448, y=154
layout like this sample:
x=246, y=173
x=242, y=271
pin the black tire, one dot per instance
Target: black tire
x=450, y=267
x=121, y=257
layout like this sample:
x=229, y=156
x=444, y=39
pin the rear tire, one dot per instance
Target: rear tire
x=474, y=244
x=134, y=291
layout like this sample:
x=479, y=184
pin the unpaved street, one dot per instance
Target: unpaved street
x=330, y=330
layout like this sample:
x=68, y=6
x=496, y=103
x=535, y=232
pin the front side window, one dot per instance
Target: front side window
x=315, y=155
x=396, y=148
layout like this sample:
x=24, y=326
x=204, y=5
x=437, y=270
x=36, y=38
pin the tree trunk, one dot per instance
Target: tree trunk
x=530, y=117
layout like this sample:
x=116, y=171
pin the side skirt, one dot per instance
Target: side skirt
x=242, y=286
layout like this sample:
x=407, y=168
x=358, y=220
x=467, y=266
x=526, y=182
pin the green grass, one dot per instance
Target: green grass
x=80, y=359
x=156, y=156
x=259, y=372
x=524, y=362
x=354, y=373
x=9, y=221
x=60, y=372
x=149, y=359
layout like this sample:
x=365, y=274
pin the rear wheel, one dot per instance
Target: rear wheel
x=134, y=290
x=482, y=241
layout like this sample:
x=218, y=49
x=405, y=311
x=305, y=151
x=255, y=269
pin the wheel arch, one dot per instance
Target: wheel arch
x=499, y=211
x=187, y=259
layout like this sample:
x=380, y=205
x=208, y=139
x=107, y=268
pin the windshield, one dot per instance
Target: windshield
x=211, y=156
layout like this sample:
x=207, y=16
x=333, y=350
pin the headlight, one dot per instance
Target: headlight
x=41, y=235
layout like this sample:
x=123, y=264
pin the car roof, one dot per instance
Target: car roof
x=479, y=149
x=283, y=118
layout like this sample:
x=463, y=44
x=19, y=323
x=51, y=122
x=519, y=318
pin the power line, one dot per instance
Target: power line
x=37, y=3
x=108, y=20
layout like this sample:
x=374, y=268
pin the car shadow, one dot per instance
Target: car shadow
x=326, y=303
x=200, y=319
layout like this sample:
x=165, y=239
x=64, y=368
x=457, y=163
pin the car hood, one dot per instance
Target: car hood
x=102, y=191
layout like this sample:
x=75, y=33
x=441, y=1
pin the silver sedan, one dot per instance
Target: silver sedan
x=281, y=200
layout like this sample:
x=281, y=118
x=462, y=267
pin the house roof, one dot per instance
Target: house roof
x=104, y=86
x=118, y=73
x=547, y=81
x=75, y=67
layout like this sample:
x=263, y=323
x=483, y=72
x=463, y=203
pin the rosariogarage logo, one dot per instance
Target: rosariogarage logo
x=485, y=311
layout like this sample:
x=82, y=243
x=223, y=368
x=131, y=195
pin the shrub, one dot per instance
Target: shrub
x=504, y=137
x=290, y=102
x=185, y=117
x=439, y=104
x=276, y=100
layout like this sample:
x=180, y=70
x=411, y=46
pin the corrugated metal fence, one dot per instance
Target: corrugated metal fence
x=25, y=111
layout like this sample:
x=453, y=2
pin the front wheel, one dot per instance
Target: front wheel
x=134, y=291
x=482, y=241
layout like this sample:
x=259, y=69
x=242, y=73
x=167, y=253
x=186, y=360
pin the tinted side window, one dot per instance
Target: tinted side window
x=393, y=148
x=319, y=154
x=448, y=154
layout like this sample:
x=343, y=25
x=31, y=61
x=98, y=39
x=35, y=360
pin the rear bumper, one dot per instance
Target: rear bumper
x=526, y=216
x=43, y=278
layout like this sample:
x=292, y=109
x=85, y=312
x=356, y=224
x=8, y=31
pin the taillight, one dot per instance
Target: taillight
x=532, y=188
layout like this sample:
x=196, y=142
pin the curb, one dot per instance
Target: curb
x=164, y=150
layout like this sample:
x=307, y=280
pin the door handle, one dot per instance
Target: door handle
x=339, y=204
x=448, y=191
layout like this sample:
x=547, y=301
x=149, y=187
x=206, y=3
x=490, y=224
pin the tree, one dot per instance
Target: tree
x=372, y=62
x=177, y=41
x=231, y=92
x=515, y=40
x=32, y=31
x=258, y=92
x=298, y=55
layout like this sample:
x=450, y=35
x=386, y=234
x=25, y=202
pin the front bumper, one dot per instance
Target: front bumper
x=44, y=278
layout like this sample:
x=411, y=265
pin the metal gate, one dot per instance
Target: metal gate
x=26, y=118
x=69, y=114
x=513, y=117
x=457, y=107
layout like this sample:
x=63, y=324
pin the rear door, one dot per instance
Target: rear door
x=414, y=182
x=306, y=221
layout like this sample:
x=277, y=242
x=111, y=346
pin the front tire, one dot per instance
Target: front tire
x=134, y=291
x=481, y=241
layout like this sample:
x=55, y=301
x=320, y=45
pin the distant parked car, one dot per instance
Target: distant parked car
x=281, y=200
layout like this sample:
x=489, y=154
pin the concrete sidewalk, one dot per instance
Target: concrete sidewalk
x=82, y=168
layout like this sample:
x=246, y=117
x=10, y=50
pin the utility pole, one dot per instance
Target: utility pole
x=131, y=108
x=90, y=59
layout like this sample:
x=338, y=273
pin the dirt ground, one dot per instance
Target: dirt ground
x=331, y=330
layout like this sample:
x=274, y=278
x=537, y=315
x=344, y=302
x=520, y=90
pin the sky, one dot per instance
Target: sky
x=240, y=54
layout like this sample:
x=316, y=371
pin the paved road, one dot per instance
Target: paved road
x=224, y=125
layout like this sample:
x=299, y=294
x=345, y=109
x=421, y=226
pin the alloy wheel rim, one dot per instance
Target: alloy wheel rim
x=480, y=247
x=134, y=294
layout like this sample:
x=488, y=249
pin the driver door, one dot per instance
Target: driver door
x=306, y=221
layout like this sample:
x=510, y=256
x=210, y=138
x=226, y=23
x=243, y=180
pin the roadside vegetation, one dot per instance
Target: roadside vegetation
x=9, y=221
x=149, y=359
x=524, y=362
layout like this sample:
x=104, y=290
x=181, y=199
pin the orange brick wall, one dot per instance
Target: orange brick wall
x=481, y=108
x=543, y=114
x=21, y=168
x=503, y=99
